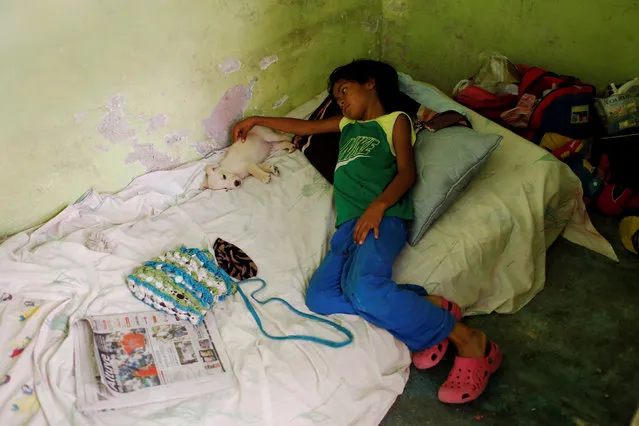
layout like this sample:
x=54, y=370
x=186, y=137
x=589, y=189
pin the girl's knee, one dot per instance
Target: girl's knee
x=319, y=302
x=365, y=298
x=315, y=302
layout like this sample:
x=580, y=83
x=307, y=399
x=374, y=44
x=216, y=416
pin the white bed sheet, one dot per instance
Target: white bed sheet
x=487, y=252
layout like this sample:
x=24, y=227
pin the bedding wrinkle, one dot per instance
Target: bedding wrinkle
x=486, y=253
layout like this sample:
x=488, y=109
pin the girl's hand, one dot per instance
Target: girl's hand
x=370, y=219
x=241, y=128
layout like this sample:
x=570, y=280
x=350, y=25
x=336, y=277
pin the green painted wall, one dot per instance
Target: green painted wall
x=65, y=62
x=151, y=71
x=439, y=41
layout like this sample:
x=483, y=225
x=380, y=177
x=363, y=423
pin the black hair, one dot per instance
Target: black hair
x=361, y=71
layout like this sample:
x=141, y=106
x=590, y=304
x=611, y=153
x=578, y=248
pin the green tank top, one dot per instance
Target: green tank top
x=366, y=165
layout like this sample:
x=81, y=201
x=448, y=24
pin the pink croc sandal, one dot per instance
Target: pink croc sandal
x=430, y=357
x=469, y=377
x=453, y=308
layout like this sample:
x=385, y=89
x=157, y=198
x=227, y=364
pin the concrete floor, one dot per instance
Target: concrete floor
x=571, y=356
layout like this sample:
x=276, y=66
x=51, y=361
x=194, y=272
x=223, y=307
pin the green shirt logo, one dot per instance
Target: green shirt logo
x=358, y=183
x=356, y=147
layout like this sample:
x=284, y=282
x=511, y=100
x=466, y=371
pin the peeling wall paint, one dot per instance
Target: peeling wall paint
x=268, y=61
x=148, y=156
x=230, y=108
x=176, y=138
x=115, y=125
x=230, y=65
x=281, y=101
x=203, y=148
x=96, y=97
x=155, y=123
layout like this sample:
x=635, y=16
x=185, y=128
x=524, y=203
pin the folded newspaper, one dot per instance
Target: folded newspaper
x=125, y=360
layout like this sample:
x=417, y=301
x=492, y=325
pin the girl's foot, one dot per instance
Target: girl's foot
x=430, y=357
x=470, y=342
x=435, y=300
x=469, y=377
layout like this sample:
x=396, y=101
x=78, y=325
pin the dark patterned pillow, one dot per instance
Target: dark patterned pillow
x=233, y=260
x=322, y=150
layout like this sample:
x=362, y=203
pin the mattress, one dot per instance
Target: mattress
x=487, y=253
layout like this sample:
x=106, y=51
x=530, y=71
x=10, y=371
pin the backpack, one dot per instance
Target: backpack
x=564, y=104
x=490, y=105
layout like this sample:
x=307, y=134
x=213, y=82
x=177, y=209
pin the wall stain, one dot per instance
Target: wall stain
x=115, y=125
x=150, y=158
x=228, y=110
x=230, y=65
x=176, y=138
x=268, y=61
x=310, y=38
x=281, y=101
x=155, y=122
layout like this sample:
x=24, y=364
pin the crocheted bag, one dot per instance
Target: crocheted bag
x=187, y=283
x=184, y=282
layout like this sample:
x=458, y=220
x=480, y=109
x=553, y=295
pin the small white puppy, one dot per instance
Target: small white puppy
x=247, y=158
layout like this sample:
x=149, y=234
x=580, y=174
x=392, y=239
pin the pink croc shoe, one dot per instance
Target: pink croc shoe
x=430, y=357
x=469, y=377
x=453, y=308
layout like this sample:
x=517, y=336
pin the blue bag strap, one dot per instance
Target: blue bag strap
x=314, y=339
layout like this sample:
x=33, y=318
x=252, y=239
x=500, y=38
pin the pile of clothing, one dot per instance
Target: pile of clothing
x=529, y=100
x=563, y=115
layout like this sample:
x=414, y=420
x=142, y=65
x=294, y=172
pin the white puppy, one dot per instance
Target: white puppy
x=247, y=158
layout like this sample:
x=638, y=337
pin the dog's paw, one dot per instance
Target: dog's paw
x=266, y=178
x=291, y=149
x=276, y=171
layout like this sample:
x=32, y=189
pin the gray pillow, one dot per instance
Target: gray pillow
x=447, y=160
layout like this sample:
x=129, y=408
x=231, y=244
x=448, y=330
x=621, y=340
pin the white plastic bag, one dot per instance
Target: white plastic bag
x=497, y=74
x=618, y=110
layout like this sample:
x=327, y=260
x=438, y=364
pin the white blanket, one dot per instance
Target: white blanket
x=487, y=253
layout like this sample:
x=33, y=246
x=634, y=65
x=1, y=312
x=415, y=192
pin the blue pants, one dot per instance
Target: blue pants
x=354, y=279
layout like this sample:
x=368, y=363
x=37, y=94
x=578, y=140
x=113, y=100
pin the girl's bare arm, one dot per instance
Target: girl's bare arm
x=287, y=125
